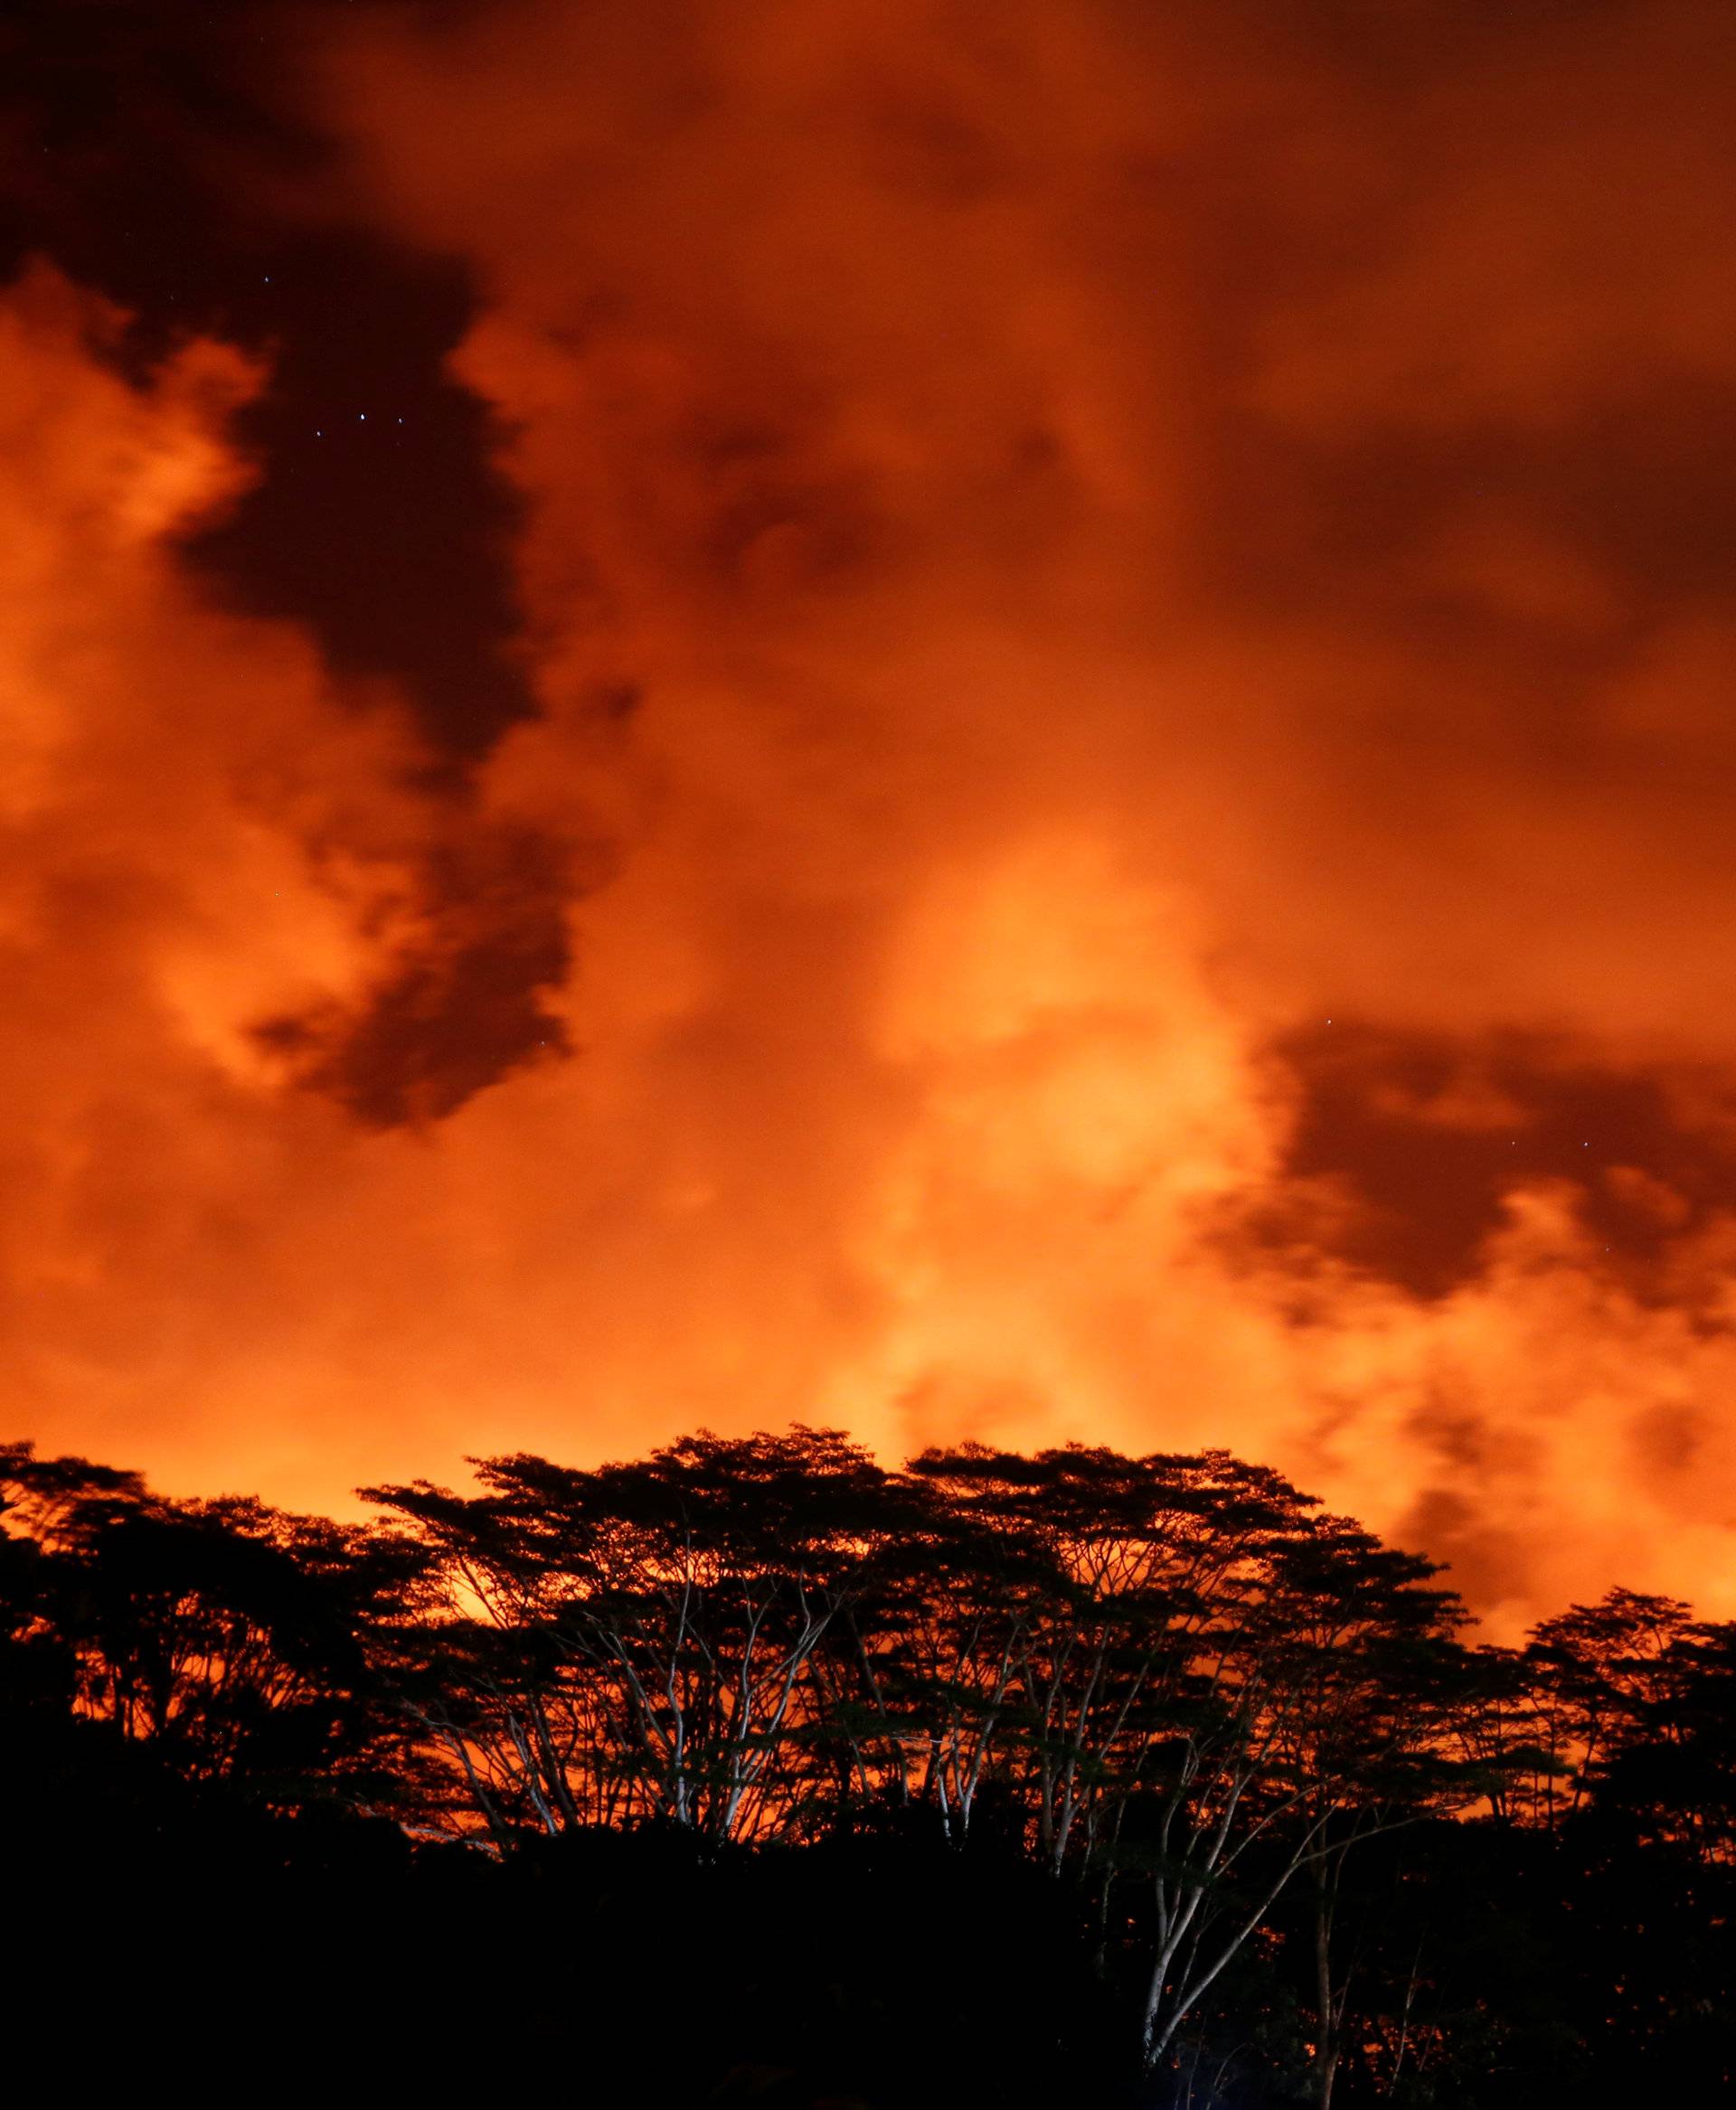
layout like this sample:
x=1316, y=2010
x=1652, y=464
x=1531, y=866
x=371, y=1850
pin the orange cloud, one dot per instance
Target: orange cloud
x=1051, y=569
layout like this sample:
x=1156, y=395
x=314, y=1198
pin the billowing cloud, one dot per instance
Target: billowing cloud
x=1107, y=736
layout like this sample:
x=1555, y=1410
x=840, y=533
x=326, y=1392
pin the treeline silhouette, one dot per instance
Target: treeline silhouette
x=762, y=1774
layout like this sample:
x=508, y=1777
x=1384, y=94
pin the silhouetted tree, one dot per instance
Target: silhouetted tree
x=1148, y=1737
x=636, y=1642
x=222, y=1637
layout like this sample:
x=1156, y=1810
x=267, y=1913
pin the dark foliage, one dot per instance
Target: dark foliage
x=749, y=1773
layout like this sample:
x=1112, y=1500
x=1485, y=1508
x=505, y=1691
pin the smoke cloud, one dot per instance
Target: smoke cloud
x=1123, y=619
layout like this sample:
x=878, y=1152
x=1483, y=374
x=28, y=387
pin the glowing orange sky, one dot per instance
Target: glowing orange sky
x=1078, y=569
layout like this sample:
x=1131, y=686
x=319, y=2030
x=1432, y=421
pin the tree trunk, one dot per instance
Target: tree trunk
x=1329, y=2006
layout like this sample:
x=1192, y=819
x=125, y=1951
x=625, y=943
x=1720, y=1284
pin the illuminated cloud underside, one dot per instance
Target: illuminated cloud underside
x=1051, y=569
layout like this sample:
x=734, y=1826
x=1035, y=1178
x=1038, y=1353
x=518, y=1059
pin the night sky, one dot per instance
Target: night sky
x=1008, y=722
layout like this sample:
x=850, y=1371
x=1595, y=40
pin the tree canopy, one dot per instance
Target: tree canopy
x=1249, y=1749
